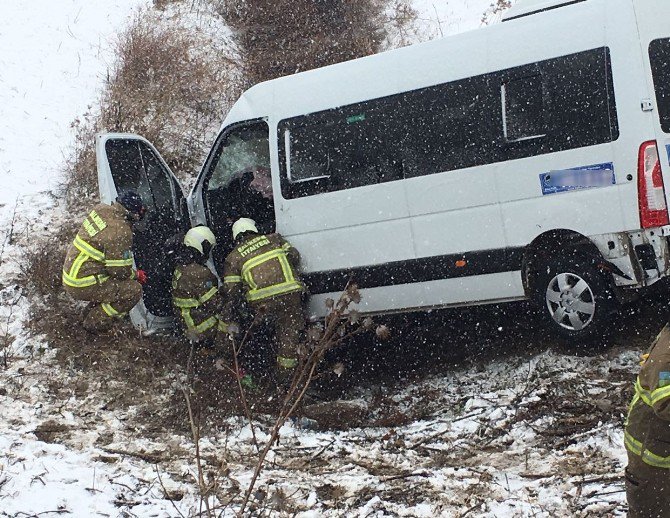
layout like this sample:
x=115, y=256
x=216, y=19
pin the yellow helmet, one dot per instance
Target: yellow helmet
x=201, y=238
x=244, y=225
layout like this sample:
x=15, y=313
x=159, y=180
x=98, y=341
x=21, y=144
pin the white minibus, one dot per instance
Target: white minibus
x=522, y=160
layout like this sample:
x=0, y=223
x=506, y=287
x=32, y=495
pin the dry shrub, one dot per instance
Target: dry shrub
x=495, y=10
x=44, y=261
x=171, y=83
x=280, y=37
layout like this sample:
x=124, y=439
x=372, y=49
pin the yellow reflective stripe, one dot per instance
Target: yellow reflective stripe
x=232, y=278
x=72, y=278
x=204, y=298
x=90, y=228
x=185, y=303
x=286, y=268
x=271, y=291
x=89, y=250
x=78, y=283
x=83, y=282
x=632, y=444
x=636, y=398
x=286, y=363
x=250, y=280
x=175, y=278
x=79, y=261
x=222, y=326
x=289, y=285
x=643, y=393
x=194, y=303
x=186, y=315
x=648, y=457
x=655, y=460
x=117, y=263
x=99, y=222
x=260, y=259
x=200, y=328
x=107, y=308
x=206, y=325
x=660, y=394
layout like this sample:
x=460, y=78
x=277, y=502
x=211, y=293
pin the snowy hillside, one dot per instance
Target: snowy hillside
x=503, y=429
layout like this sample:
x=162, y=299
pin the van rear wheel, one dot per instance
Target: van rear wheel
x=575, y=298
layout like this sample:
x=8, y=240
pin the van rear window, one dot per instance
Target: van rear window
x=659, y=55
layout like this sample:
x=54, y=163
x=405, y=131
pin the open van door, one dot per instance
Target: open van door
x=652, y=16
x=127, y=161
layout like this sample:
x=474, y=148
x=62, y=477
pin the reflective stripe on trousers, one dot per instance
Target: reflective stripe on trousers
x=633, y=445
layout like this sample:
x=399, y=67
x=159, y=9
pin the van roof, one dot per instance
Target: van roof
x=359, y=79
x=527, y=7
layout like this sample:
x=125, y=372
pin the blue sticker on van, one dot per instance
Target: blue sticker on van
x=667, y=149
x=585, y=177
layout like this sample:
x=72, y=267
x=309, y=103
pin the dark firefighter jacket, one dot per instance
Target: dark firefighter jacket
x=101, y=248
x=647, y=432
x=262, y=267
x=195, y=295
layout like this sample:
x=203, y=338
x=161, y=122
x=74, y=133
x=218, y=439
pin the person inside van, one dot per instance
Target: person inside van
x=263, y=269
x=251, y=196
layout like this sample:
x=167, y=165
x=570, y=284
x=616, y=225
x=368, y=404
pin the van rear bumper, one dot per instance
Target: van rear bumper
x=641, y=257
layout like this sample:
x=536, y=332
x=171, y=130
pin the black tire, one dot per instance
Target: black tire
x=575, y=299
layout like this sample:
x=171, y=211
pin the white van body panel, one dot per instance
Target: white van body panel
x=435, y=294
x=497, y=206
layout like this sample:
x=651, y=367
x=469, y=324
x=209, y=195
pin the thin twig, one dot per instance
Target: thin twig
x=423, y=474
x=302, y=378
x=243, y=397
x=195, y=431
x=10, y=235
x=317, y=454
x=166, y=493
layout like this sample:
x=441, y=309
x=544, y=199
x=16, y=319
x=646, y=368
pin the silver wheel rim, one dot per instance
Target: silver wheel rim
x=570, y=301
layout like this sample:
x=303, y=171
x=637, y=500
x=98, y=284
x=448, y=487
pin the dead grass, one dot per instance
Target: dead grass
x=281, y=37
x=44, y=261
x=170, y=83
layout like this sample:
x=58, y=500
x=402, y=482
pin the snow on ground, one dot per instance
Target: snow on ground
x=488, y=443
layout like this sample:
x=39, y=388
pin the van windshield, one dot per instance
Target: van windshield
x=238, y=182
x=659, y=56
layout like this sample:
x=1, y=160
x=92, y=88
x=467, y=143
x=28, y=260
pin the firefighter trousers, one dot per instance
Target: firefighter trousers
x=285, y=319
x=110, y=299
x=647, y=489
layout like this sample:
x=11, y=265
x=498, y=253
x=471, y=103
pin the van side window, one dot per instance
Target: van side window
x=522, y=108
x=238, y=181
x=344, y=148
x=446, y=127
x=659, y=56
x=553, y=105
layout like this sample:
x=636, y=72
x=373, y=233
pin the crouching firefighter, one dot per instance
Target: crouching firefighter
x=98, y=266
x=195, y=291
x=647, y=435
x=263, y=268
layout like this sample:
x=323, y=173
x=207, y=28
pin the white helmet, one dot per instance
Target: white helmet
x=201, y=238
x=244, y=225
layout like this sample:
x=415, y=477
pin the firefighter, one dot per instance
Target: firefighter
x=195, y=292
x=647, y=434
x=263, y=268
x=98, y=266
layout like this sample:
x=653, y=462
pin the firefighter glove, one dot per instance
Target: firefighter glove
x=141, y=277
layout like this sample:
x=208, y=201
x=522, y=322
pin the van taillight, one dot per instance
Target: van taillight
x=650, y=191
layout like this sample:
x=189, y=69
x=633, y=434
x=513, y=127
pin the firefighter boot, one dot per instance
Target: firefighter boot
x=97, y=321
